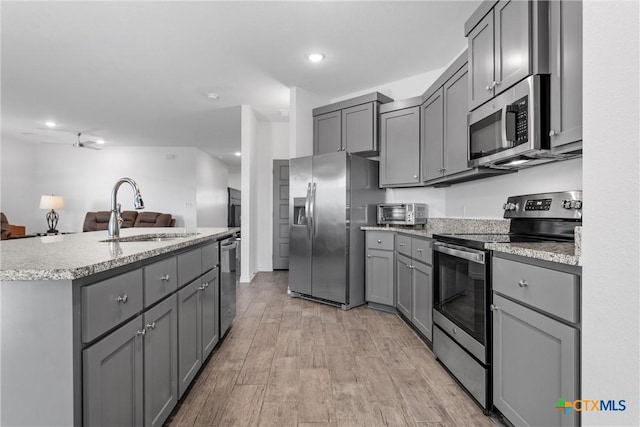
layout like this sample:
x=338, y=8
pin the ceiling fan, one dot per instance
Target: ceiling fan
x=79, y=143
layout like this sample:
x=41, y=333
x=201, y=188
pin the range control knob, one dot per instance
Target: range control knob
x=509, y=206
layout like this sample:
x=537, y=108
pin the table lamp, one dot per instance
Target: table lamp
x=52, y=202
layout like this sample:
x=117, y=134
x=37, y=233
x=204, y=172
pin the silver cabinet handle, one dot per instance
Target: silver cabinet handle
x=553, y=132
x=142, y=332
x=522, y=283
x=339, y=149
x=455, y=330
x=415, y=176
x=368, y=256
x=489, y=88
x=202, y=288
x=165, y=278
x=151, y=325
x=419, y=250
x=496, y=84
x=408, y=266
x=494, y=307
x=400, y=244
x=123, y=299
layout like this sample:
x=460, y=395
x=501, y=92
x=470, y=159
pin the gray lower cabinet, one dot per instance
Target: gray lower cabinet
x=534, y=363
x=210, y=312
x=403, y=285
x=113, y=378
x=379, y=277
x=422, y=298
x=400, y=147
x=160, y=361
x=189, y=334
x=565, y=63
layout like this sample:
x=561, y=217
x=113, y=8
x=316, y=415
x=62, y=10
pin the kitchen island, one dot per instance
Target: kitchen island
x=77, y=325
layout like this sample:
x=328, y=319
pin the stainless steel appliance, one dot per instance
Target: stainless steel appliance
x=512, y=130
x=402, y=213
x=330, y=197
x=227, y=284
x=462, y=283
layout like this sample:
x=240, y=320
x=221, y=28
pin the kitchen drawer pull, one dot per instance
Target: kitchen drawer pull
x=123, y=298
x=400, y=244
x=142, y=332
x=151, y=325
x=165, y=278
x=522, y=283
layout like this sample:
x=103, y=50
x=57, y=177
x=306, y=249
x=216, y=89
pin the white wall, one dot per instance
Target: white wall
x=273, y=143
x=611, y=255
x=170, y=179
x=301, y=104
x=235, y=180
x=249, y=198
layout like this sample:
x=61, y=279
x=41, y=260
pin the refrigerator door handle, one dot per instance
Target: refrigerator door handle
x=307, y=210
x=314, y=228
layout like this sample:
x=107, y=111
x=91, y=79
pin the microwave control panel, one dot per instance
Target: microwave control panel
x=517, y=121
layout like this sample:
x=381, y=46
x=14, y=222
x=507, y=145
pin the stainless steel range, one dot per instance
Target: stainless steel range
x=462, y=283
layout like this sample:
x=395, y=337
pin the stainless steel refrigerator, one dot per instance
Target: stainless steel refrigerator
x=330, y=197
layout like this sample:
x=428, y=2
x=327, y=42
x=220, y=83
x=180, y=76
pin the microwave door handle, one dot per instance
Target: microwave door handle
x=503, y=128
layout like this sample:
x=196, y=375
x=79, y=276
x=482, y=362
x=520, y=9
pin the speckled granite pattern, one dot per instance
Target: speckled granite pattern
x=578, y=238
x=73, y=256
x=562, y=253
x=452, y=226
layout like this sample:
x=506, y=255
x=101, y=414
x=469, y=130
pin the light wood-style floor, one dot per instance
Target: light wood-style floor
x=292, y=362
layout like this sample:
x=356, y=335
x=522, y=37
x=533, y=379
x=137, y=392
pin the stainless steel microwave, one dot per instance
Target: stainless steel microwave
x=513, y=128
x=402, y=213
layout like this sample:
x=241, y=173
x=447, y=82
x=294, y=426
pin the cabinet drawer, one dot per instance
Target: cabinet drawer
x=106, y=304
x=380, y=240
x=189, y=266
x=403, y=244
x=160, y=279
x=552, y=291
x=421, y=250
x=210, y=256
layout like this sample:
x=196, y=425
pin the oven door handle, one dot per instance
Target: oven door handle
x=473, y=256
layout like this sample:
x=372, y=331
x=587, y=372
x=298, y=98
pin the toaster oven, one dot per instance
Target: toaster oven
x=402, y=213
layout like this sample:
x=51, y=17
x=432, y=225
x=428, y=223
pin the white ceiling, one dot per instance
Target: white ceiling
x=137, y=73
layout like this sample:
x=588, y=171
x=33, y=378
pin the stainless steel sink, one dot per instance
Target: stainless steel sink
x=158, y=237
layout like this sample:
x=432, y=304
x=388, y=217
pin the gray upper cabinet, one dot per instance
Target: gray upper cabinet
x=359, y=129
x=565, y=63
x=512, y=40
x=400, y=146
x=327, y=133
x=350, y=125
x=160, y=362
x=433, y=136
x=112, y=378
x=456, y=107
x=481, y=62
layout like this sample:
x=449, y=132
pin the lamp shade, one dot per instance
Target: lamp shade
x=51, y=202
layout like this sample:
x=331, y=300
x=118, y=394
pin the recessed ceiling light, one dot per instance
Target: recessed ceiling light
x=237, y=153
x=315, y=57
x=99, y=141
x=213, y=96
x=50, y=124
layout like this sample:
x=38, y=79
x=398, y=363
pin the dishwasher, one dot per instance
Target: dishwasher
x=227, y=284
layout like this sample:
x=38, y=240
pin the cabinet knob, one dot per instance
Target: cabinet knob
x=496, y=84
x=522, y=283
x=494, y=307
x=553, y=132
x=151, y=325
x=455, y=330
x=368, y=256
x=202, y=288
x=379, y=241
x=419, y=250
x=142, y=332
x=400, y=244
x=123, y=298
x=415, y=176
x=339, y=149
x=489, y=88
x=164, y=278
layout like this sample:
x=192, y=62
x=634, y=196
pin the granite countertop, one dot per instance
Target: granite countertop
x=564, y=253
x=73, y=256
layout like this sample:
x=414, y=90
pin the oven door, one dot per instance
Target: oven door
x=392, y=214
x=461, y=288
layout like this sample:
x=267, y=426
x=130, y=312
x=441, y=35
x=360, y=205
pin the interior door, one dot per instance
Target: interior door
x=329, y=227
x=280, y=214
x=299, y=226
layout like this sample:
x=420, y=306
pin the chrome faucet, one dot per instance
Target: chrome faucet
x=115, y=220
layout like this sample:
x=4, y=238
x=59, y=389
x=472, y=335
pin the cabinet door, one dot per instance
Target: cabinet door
x=432, y=136
x=210, y=312
x=481, y=62
x=456, y=108
x=379, y=277
x=403, y=285
x=400, y=147
x=422, y=298
x=189, y=335
x=512, y=41
x=327, y=133
x=535, y=362
x=566, y=71
x=358, y=129
x=112, y=378
x=160, y=361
